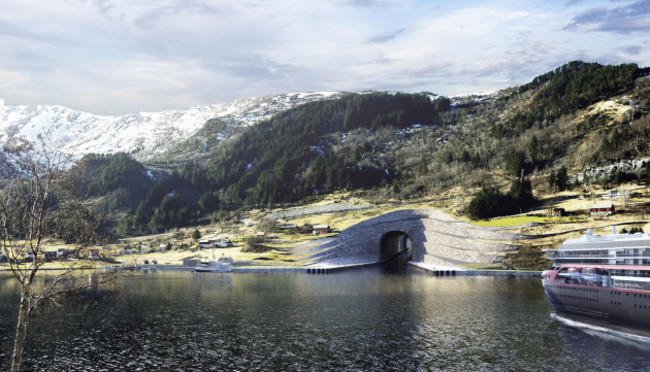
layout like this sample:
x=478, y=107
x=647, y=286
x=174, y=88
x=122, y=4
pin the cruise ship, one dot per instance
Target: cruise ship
x=603, y=280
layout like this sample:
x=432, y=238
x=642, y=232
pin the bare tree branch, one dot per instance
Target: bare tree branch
x=26, y=201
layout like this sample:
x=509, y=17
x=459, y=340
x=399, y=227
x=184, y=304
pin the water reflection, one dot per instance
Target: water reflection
x=375, y=319
x=609, y=349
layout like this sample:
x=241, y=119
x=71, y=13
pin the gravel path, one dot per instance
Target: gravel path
x=319, y=209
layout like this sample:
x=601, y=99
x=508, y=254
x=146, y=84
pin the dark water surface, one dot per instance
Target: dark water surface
x=366, y=320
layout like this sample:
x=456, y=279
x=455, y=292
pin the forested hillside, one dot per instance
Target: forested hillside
x=391, y=146
x=568, y=88
x=293, y=154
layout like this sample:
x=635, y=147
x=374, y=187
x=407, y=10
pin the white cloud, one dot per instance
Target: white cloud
x=114, y=56
x=11, y=79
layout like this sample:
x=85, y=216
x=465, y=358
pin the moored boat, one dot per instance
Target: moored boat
x=222, y=265
x=602, y=279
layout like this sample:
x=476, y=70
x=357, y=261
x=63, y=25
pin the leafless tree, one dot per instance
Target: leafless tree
x=26, y=201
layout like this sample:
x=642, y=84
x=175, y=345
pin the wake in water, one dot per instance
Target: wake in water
x=608, y=334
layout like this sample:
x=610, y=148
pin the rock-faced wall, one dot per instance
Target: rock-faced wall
x=434, y=238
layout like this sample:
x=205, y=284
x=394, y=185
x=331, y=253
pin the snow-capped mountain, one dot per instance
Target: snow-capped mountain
x=143, y=134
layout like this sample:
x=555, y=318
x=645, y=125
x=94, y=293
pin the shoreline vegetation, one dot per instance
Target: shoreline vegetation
x=282, y=248
x=582, y=126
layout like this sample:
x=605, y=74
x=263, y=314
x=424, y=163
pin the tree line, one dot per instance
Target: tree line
x=569, y=87
x=349, y=143
x=279, y=160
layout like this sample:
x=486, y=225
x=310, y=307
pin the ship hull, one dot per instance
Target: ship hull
x=624, y=310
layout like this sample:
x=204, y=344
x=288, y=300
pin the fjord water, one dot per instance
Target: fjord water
x=360, y=320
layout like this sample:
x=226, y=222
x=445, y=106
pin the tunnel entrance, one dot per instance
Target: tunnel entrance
x=395, y=246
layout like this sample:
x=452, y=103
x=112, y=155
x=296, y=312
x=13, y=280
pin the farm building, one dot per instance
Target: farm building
x=558, y=212
x=206, y=243
x=606, y=209
x=321, y=229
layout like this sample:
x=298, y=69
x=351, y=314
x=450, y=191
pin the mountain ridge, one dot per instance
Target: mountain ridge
x=142, y=134
x=386, y=145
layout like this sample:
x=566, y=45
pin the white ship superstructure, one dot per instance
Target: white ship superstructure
x=602, y=278
x=615, y=249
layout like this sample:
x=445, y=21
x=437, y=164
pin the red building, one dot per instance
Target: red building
x=558, y=212
x=322, y=229
x=602, y=209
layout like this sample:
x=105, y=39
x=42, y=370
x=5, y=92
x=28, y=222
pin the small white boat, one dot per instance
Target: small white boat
x=222, y=265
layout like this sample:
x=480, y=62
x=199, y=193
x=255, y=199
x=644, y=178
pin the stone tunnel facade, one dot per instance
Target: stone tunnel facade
x=435, y=238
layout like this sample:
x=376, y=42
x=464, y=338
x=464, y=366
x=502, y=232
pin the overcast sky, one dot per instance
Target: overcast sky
x=120, y=56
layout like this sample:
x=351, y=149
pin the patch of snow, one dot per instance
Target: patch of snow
x=144, y=134
x=320, y=150
x=410, y=130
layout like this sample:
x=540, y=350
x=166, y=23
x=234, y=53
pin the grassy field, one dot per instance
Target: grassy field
x=551, y=230
x=511, y=221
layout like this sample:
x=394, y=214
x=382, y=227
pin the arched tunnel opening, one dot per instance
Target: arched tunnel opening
x=396, y=248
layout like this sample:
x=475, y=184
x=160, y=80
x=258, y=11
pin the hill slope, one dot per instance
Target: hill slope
x=144, y=134
x=384, y=145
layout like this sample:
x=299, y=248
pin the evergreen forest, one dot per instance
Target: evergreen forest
x=505, y=149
